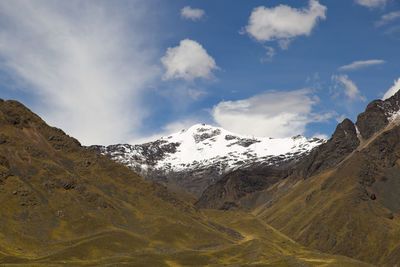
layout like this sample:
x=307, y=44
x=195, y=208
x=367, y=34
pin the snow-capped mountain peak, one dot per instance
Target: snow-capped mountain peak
x=203, y=143
x=206, y=153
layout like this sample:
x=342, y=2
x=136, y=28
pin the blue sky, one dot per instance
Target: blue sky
x=129, y=71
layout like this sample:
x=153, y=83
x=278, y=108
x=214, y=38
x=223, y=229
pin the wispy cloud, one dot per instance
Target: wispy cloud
x=388, y=18
x=392, y=30
x=192, y=13
x=269, y=54
x=85, y=62
x=349, y=88
x=371, y=3
x=272, y=114
x=283, y=23
x=196, y=94
x=362, y=64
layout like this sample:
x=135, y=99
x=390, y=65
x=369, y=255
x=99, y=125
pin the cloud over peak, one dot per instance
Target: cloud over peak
x=272, y=114
x=283, y=23
x=192, y=13
x=188, y=61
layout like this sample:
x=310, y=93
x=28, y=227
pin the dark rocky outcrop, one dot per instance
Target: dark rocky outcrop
x=343, y=141
x=376, y=115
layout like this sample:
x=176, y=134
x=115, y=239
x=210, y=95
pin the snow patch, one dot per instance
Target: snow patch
x=394, y=116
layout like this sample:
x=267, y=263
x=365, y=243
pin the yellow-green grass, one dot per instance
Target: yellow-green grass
x=333, y=213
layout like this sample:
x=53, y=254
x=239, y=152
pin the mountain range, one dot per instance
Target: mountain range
x=193, y=159
x=210, y=197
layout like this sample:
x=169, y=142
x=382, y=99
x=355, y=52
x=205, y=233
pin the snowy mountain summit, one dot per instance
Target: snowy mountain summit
x=193, y=159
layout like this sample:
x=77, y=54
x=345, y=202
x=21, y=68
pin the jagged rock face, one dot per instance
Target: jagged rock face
x=195, y=158
x=343, y=141
x=377, y=115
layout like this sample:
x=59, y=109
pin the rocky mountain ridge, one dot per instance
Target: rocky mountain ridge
x=197, y=157
x=232, y=189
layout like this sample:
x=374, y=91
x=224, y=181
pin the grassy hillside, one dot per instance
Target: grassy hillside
x=351, y=210
x=56, y=194
x=66, y=205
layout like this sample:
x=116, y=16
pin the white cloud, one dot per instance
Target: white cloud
x=350, y=89
x=192, y=13
x=392, y=90
x=188, y=61
x=362, y=64
x=84, y=62
x=387, y=18
x=272, y=114
x=283, y=23
x=371, y=3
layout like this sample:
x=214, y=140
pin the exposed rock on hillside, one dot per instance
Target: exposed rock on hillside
x=377, y=115
x=343, y=142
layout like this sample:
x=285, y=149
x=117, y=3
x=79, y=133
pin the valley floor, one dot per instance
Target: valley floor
x=252, y=243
